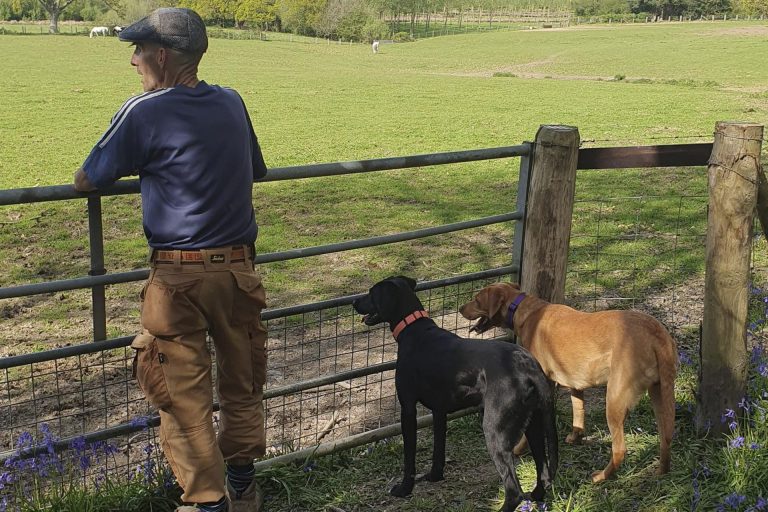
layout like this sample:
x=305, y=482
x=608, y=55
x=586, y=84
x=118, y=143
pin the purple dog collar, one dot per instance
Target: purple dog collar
x=513, y=307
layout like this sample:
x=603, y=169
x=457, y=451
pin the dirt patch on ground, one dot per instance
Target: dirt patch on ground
x=753, y=31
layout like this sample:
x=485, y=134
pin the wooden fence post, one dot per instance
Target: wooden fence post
x=549, y=212
x=733, y=180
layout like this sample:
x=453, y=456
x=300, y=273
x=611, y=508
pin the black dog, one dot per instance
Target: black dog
x=447, y=373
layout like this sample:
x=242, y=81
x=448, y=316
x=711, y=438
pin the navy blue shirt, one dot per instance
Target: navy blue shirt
x=196, y=155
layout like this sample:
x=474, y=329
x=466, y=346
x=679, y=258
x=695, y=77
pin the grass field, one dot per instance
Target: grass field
x=314, y=103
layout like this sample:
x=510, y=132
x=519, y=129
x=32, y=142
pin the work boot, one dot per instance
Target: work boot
x=250, y=500
x=193, y=508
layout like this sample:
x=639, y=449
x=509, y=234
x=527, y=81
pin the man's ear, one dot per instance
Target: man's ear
x=162, y=57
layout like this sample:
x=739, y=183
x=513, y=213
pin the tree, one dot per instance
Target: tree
x=213, y=11
x=301, y=16
x=54, y=8
x=257, y=13
x=752, y=7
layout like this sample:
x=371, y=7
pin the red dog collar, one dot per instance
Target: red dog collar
x=405, y=322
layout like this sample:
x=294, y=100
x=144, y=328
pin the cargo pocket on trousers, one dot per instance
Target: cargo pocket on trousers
x=249, y=298
x=148, y=371
x=169, y=307
x=259, y=355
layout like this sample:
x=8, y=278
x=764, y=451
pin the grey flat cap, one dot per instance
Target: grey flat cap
x=172, y=27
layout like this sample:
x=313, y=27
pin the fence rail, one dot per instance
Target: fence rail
x=33, y=382
x=320, y=335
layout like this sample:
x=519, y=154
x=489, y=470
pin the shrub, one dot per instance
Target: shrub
x=401, y=37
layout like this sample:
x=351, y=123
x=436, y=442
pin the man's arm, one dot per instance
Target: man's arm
x=82, y=183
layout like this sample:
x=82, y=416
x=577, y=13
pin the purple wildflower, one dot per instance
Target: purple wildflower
x=745, y=404
x=754, y=446
x=685, y=358
x=737, y=442
x=734, y=500
x=729, y=414
x=761, y=504
x=25, y=440
x=79, y=445
x=527, y=506
x=84, y=461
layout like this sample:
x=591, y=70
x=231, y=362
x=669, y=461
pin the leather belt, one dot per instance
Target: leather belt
x=198, y=257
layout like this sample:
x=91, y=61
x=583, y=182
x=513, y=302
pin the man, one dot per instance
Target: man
x=196, y=154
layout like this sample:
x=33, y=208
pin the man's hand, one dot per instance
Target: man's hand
x=82, y=184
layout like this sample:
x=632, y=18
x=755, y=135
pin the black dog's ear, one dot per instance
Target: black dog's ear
x=411, y=282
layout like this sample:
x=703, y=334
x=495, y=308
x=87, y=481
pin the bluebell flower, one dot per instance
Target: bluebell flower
x=79, y=445
x=110, y=449
x=527, y=506
x=734, y=500
x=744, y=404
x=754, y=446
x=685, y=358
x=25, y=440
x=84, y=462
x=729, y=413
x=737, y=442
x=49, y=439
x=761, y=504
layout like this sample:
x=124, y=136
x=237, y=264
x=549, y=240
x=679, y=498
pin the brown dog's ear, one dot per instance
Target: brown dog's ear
x=493, y=300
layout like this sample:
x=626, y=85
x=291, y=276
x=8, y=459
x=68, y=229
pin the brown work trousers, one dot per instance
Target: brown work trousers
x=182, y=302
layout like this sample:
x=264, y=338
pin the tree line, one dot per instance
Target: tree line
x=356, y=20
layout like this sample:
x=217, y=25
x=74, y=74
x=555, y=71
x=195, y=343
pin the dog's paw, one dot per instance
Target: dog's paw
x=402, y=489
x=598, y=477
x=574, y=438
x=434, y=476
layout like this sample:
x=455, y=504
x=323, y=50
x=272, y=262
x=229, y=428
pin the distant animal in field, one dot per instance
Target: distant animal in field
x=375, y=46
x=99, y=31
x=117, y=29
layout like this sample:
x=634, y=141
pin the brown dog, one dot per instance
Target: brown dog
x=629, y=351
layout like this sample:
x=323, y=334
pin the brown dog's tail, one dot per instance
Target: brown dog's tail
x=662, y=395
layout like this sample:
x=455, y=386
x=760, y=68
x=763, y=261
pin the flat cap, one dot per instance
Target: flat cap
x=172, y=27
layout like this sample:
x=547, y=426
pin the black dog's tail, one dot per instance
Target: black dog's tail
x=550, y=429
x=544, y=397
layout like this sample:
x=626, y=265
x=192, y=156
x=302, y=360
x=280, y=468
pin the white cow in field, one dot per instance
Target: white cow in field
x=375, y=46
x=99, y=31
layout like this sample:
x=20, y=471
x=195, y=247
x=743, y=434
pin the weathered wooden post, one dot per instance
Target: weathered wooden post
x=549, y=212
x=733, y=184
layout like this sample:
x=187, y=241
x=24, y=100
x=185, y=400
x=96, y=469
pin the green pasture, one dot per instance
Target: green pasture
x=314, y=102
x=322, y=102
